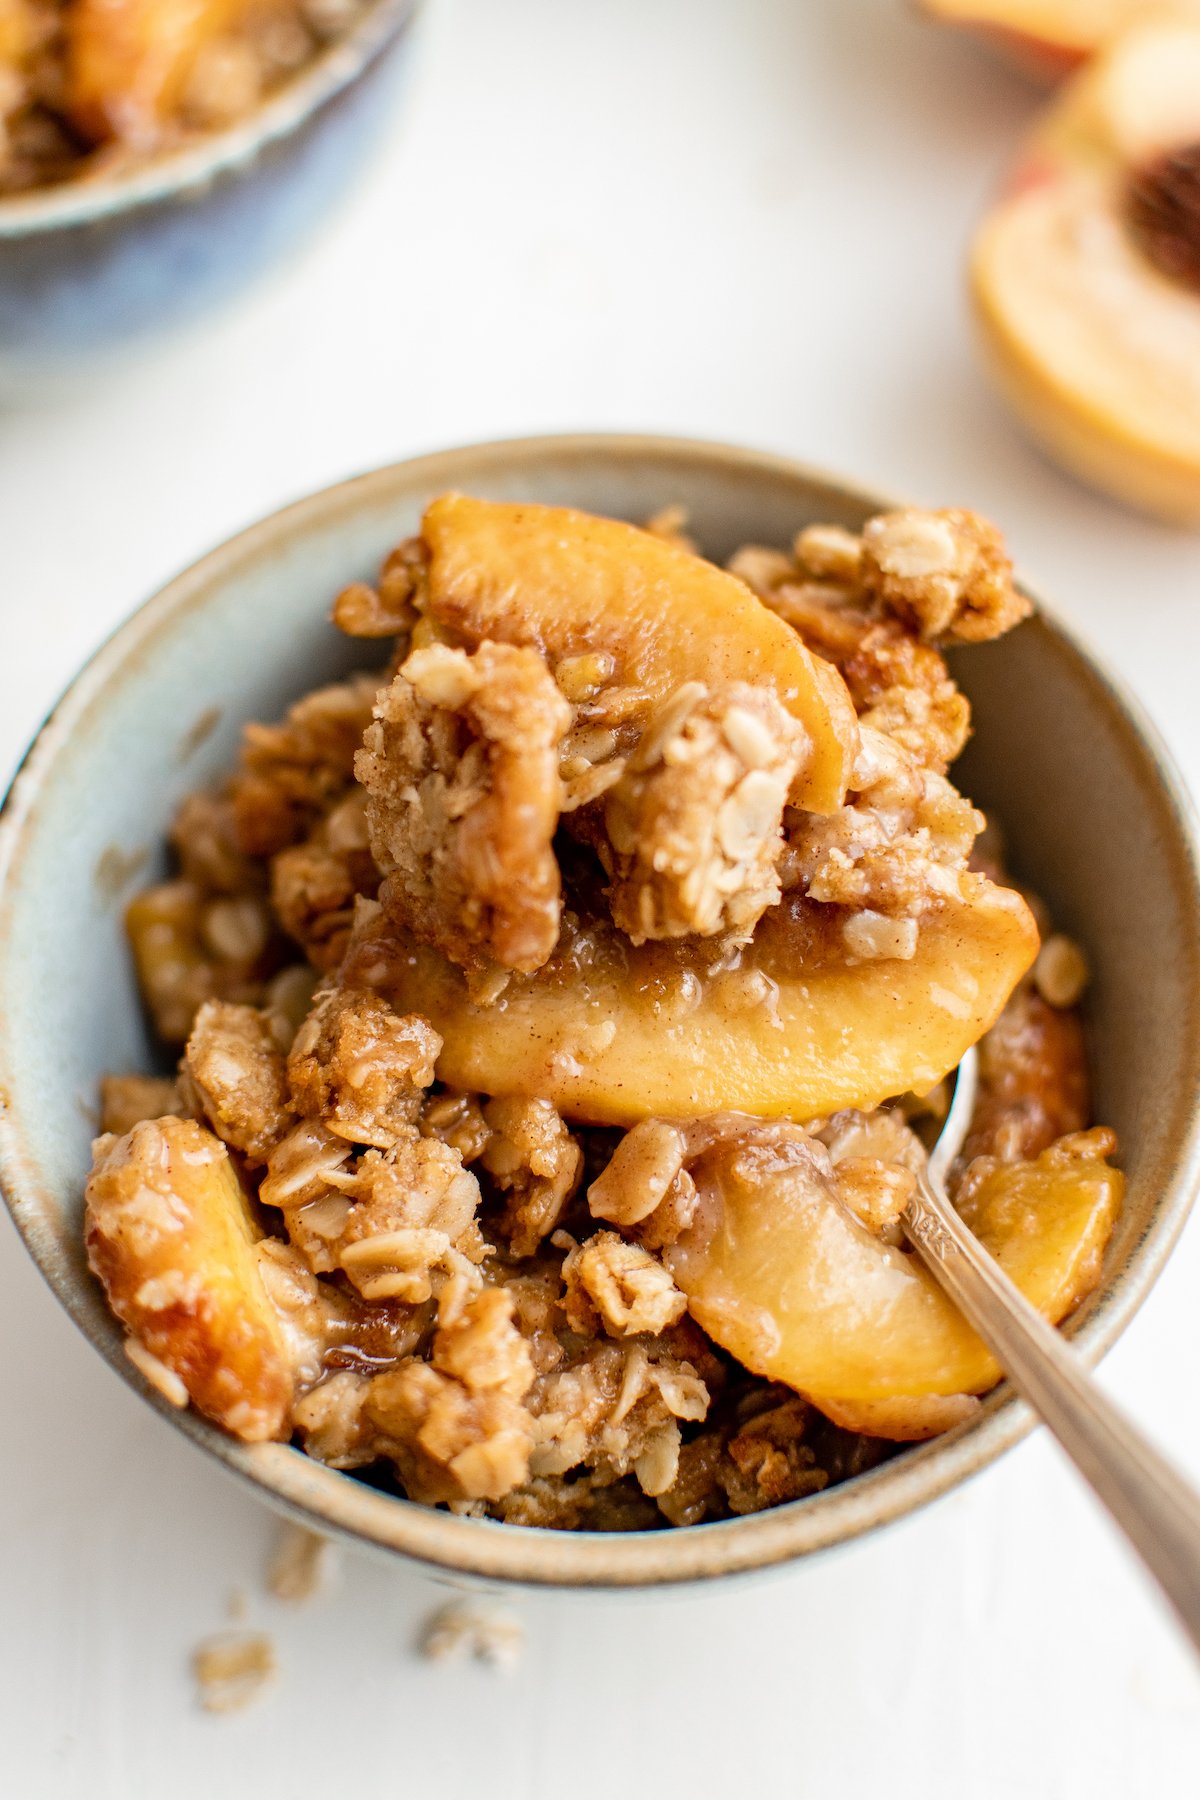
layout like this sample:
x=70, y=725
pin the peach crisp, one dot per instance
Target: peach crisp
x=89, y=86
x=566, y=1008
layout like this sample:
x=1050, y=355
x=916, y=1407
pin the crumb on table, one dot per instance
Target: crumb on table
x=233, y=1670
x=462, y=1629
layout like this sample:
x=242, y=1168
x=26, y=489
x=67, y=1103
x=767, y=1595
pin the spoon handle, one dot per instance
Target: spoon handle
x=1158, y=1510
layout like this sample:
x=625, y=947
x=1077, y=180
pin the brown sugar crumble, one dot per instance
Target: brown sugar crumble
x=352, y=1218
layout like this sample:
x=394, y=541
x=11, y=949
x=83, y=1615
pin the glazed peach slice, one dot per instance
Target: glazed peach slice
x=612, y=1033
x=170, y=1235
x=1052, y=38
x=16, y=34
x=780, y=1274
x=128, y=60
x=1085, y=277
x=569, y=584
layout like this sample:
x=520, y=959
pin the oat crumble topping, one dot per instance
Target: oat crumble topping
x=498, y=1299
x=463, y=795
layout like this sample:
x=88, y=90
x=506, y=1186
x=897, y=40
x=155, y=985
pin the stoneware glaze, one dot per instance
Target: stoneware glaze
x=90, y=266
x=1095, y=816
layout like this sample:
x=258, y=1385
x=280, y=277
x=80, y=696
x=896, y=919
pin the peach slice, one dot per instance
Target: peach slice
x=170, y=1235
x=16, y=35
x=569, y=584
x=788, y=1281
x=1051, y=38
x=612, y=1034
x=1096, y=348
x=128, y=60
x=905, y=1419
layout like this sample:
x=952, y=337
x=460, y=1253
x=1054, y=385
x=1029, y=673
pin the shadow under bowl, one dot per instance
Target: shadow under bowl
x=90, y=267
x=1095, y=817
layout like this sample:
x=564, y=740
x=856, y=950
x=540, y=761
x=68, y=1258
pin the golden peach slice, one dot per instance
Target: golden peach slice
x=570, y=584
x=787, y=1280
x=16, y=35
x=905, y=1419
x=170, y=1235
x=128, y=60
x=1095, y=348
x=613, y=1033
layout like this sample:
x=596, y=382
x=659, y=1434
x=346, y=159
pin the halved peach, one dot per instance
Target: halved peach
x=1095, y=346
x=1051, y=38
x=787, y=1280
x=613, y=1033
x=570, y=584
x=128, y=60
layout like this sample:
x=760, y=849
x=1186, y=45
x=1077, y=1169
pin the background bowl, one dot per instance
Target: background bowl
x=88, y=266
x=1095, y=816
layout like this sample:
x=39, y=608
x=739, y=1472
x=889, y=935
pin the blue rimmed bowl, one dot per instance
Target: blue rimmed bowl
x=90, y=266
x=1093, y=811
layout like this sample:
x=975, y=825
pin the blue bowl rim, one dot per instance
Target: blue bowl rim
x=196, y=166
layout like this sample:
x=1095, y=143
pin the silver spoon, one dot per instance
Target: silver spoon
x=1156, y=1508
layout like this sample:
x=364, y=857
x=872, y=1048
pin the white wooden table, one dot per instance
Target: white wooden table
x=735, y=221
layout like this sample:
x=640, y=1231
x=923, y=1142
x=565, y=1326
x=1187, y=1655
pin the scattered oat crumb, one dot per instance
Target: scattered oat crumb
x=487, y=1633
x=302, y=1564
x=233, y=1670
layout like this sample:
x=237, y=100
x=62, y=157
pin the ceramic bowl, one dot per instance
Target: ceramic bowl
x=91, y=266
x=1095, y=815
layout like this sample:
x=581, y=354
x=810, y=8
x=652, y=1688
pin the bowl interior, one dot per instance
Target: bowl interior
x=1094, y=818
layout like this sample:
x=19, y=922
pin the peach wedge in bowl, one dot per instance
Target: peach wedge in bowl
x=1085, y=274
x=559, y=909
